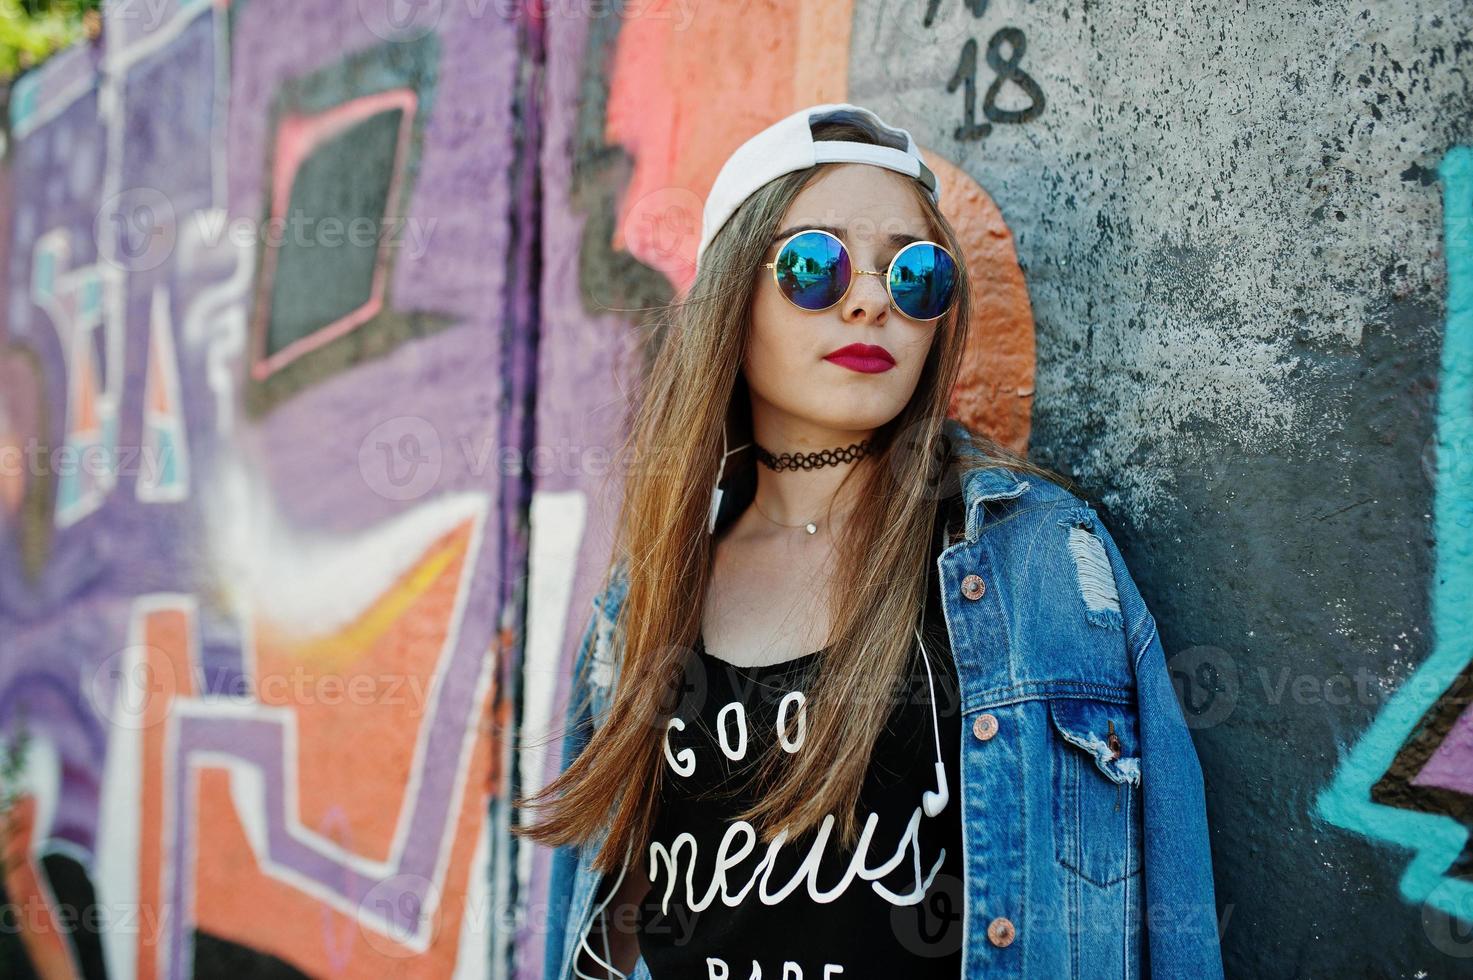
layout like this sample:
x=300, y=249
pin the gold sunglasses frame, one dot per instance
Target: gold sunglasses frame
x=854, y=274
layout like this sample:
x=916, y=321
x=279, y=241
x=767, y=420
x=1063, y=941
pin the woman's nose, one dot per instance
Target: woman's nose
x=867, y=299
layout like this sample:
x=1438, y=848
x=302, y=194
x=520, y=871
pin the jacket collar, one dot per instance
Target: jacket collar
x=984, y=484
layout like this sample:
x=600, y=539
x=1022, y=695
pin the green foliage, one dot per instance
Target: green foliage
x=32, y=30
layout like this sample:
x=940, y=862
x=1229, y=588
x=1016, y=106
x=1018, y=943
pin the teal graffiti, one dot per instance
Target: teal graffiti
x=1435, y=839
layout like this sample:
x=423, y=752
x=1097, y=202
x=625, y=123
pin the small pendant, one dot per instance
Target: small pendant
x=811, y=527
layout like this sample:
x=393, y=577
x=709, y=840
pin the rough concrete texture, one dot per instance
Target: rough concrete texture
x=1231, y=224
x=1214, y=201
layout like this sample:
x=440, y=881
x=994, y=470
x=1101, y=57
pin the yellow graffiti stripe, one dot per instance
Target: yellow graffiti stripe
x=338, y=651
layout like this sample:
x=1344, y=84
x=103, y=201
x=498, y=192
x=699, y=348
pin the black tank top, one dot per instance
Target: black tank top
x=891, y=907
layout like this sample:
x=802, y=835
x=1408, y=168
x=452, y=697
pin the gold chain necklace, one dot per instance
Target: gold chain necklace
x=810, y=526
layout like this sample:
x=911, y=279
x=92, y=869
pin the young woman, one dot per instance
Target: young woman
x=886, y=702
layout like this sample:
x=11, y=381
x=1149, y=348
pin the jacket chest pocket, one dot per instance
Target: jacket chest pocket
x=1097, y=795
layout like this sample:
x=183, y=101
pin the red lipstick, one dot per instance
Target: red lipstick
x=866, y=358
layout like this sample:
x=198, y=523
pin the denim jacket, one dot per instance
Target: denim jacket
x=1084, y=823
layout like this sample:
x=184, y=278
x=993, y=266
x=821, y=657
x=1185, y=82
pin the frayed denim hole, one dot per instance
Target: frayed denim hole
x=1095, y=577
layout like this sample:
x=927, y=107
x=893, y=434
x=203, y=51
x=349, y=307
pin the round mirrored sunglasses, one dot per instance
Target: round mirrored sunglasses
x=813, y=271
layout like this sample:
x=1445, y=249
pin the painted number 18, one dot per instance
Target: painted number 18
x=1005, y=69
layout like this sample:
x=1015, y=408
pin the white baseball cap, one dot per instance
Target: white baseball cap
x=788, y=145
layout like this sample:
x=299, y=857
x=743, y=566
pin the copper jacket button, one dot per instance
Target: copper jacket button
x=1000, y=930
x=973, y=587
x=985, y=726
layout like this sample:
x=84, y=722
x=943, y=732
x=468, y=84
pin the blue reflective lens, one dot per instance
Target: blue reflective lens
x=923, y=280
x=813, y=270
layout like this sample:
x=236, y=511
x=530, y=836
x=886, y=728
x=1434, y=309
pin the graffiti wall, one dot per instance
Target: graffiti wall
x=258, y=609
x=318, y=331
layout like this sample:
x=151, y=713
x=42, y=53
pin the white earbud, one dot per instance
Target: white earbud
x=716, y=491
x=933, y=801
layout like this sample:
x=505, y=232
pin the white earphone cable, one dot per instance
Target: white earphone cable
x=606, y=961
x=716, y=490
x=934, y=801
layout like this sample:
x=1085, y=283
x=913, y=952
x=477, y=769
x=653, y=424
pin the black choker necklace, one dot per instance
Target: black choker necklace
x=813, y=460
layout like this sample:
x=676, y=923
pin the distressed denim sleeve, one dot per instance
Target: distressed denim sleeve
x=565, y=859
x=1180, y=907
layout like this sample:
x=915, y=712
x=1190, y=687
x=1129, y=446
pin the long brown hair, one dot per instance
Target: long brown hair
x=675, y=441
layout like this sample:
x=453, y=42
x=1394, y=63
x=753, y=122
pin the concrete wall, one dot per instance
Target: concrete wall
x=301, y=522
